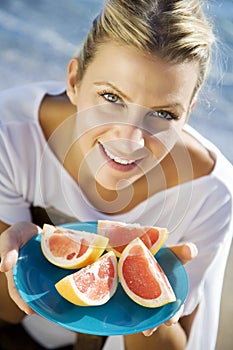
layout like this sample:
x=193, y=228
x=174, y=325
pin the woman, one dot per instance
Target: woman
x=116, y=144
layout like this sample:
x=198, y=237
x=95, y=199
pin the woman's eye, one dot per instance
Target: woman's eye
x=113, y=98
x=163, y=115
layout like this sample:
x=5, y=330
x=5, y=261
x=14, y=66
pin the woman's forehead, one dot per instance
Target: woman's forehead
x=137, y=73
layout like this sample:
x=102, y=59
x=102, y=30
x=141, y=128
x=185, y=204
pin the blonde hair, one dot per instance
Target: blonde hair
x=177, y=30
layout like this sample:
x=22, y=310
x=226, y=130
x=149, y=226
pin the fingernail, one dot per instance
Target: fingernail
x=193, y=249
x=150, y=332
x=28, y=312
x=2, y=269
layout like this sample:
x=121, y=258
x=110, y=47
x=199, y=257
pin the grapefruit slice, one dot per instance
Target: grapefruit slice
x=70, y=248
x=120, y=234
x=93, y=285
x=142, y=277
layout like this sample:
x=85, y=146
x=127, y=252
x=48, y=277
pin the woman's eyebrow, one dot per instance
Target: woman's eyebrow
x=175, y=105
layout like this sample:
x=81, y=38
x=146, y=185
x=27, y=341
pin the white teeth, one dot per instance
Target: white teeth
x=117, y=159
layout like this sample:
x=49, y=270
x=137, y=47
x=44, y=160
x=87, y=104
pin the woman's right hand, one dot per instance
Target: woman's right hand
x=11, y=240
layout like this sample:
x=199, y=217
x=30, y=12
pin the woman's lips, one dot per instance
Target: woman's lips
x=116, y=162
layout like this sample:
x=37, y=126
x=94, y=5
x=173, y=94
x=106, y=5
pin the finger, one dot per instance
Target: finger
x=15, y=295
x=185, y=252
x=8, y=260
x=176, y=317
x=170, y=322
x=12, y=240
x=149, y=332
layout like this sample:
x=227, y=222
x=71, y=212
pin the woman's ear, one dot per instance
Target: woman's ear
x=72, y=72
x=193, y=104
x=191, y=108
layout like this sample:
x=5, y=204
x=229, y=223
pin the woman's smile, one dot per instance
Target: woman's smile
x=116, y=161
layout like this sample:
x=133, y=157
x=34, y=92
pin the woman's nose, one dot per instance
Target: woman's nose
x=130, y=138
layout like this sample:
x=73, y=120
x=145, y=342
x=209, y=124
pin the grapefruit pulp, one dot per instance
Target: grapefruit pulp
x=142, y=277
x=92, y=285
x=70, y=248
x=120, y=234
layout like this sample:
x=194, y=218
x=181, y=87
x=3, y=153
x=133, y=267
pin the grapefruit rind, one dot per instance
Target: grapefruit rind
x=124, y=233
x=67, y=288
x=96, y=244
x=167, y=295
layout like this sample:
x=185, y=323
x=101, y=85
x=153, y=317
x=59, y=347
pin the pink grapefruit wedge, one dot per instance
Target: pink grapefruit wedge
x=92, y=285
x=142, y=277
x=120, y=234
x=70, y=248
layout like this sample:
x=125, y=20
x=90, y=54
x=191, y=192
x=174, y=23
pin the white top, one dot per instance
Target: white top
x=199, y=211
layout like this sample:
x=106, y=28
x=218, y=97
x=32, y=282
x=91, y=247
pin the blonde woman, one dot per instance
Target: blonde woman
x=115, y=144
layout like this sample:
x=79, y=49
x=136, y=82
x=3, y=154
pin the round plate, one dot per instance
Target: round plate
x=35, y=278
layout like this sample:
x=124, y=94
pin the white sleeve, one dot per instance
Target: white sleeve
x=13, y=206
x=210, y=231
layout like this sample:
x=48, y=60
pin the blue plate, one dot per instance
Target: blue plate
x=35, y=278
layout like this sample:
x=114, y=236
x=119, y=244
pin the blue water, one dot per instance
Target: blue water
x=37, y=38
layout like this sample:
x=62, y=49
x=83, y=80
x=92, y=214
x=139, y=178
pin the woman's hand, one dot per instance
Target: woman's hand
x=185, y=252
x=11, y=240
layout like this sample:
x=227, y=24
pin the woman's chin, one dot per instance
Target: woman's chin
x=112, y=183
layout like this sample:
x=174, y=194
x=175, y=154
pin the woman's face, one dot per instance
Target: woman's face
x=131, y=110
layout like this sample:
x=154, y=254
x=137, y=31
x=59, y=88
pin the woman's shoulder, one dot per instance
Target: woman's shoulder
x=207, y=159
x=188, y=160
x=22, y=102
x=54, y=110
x=202, y=158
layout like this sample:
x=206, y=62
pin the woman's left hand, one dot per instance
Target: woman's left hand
x=185, y=252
